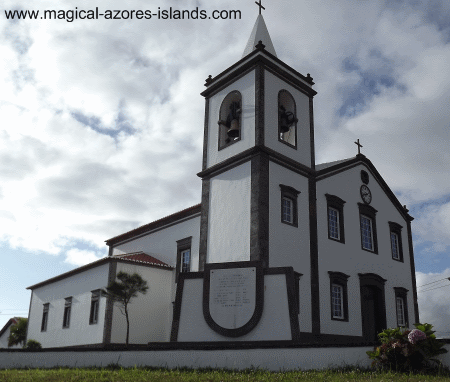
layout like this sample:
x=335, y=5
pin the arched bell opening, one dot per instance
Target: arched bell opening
x=230, y=119
x=287, y=118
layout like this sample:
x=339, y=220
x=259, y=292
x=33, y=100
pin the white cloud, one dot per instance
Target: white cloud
x=80, y=257
x=434, y=305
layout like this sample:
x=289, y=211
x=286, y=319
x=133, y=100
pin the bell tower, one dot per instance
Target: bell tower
x=258, y=154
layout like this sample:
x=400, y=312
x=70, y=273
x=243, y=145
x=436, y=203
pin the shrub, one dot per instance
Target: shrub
x=33, y=345
x=407, y=350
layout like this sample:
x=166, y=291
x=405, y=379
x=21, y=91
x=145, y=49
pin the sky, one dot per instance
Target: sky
x=101, y=121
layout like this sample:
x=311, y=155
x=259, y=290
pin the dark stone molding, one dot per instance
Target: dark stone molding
x=110, y=250
x=413, y=272
x=311, y=133
x=356, y=161
x=29, y=316
x=314, y=257
x=259, y=105
x=375, y=281
x=259, y=209
x=205, y=136
x=182, y=245
x=292, y=194
x=403, y=294
x=203, y=247
x=279, y=67
x=397, y=229
x=341, y=279
x=292, y=280
x=370, y=212
x=109, y=305
x=248, y=154
x=259, y=298
x=337, y=203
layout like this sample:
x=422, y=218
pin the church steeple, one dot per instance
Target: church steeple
x=259, y=33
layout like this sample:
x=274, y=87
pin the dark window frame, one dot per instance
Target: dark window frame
x=292, y=194
x=67, y=312
x=45, y=313
x=335, y=202
x=221, y=126
x=397, y=229
x=182, y=245
x=340, y=279
x=95, y=307
x=403, y=294
x=295, y=123
x=369, y=212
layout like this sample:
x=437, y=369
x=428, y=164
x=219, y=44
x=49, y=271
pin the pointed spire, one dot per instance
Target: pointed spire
x=259, y=33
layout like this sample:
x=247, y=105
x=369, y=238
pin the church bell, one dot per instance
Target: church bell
x=233, y=120
x=287, y=119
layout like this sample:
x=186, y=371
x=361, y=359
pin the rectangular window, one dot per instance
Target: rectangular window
x=67, y=309
x=186, y=260
x=366, y=232
x=45, y=317
x=337, y=301
x=394, y=246
x=333, y=223
x=287, y=210
x=95, y=305
x=400, y=312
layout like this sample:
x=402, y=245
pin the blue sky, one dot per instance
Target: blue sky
x=101, y=126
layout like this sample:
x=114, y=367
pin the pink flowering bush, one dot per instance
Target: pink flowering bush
x=407, y=350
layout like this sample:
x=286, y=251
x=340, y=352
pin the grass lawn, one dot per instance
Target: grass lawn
x=118, y=374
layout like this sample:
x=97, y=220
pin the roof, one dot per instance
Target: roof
x=186, y=213
x=140, y=258
x=326, y=170
x=259, y=33
x=11, y=321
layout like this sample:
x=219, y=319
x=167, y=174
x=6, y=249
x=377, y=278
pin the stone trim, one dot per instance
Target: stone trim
x=314, y=257
x=369, y=212
x=109, y=305
x=311, y=133
x=259, y=298
x=259, y=209
x=341, y=279
x=205, y=136
x=402, y=293
x=203, y=248
x=291, y=194
x=337, y=203
x=413, y=272
x=397, y=229
x=182, y=245
x=259, y=105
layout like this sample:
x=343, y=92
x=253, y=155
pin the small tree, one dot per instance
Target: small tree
x=122, y=291
x=18, y=332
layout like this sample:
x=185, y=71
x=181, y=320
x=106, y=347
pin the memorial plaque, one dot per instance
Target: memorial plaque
x=232, y=296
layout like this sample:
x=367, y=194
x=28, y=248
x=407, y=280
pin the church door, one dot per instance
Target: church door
x=373, y=312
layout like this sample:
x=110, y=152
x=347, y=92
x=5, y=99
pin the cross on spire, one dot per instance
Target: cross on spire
x=260, y=6
x=359, y=146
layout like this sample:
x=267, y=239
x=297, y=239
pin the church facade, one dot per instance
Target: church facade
x=280, y=250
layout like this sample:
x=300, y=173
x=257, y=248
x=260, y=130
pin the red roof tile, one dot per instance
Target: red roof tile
x=141, y=257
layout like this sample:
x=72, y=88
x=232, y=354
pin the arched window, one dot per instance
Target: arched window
x=287, y=119
x=230, y=120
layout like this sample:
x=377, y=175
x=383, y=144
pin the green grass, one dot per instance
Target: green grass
x=118, y=374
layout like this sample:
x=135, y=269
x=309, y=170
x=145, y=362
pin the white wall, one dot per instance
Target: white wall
x=350, y=259
x=151, y=313
x=246, y=86
x=229, y=215
x=79, y=287
x=303, y=152
x=273, y=325
x=288, y=245
x=163, y=243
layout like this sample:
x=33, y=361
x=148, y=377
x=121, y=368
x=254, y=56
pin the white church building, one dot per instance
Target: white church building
x=281, y=251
